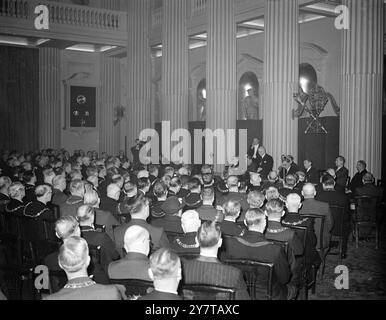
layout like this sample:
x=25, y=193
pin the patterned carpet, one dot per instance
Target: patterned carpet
x=367, y=274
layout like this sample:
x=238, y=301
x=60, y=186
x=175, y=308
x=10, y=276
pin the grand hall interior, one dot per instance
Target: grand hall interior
x=192, y=150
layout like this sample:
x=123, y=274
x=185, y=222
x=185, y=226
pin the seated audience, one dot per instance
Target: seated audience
x=135, y=264
x=254, y=246
x=207, y=269
x=165, y=271
x=187, y=244
x=74, y=259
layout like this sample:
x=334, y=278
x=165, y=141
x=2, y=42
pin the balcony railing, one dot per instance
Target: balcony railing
x=61, y=14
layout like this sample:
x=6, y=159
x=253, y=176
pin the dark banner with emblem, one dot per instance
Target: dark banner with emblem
x=83, y=107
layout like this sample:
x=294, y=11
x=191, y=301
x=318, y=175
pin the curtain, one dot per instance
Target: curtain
x=19, y=98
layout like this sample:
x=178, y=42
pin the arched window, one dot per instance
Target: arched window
x=307, y=77
x=201, y=100
x=248, y=101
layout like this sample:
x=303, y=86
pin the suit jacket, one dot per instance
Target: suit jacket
x=369, y=190
x=210, y=271
x=192, y=201
x=132, y=266
x=341, y=177
x=110, y=205
x=232, y=229
x=29, y=193
x=266, y=164
x=105, y=218
x=207, y=213
x=169, y=223
x=356, y=181
x=292, y=219
x=58, y=197
x=186, y=244
x=71, y=206
x=160, y=296
x=157, y=235
x=312, y=176
x=269, y=253
x=312, y=206
x=95, y=238
x=92, y=291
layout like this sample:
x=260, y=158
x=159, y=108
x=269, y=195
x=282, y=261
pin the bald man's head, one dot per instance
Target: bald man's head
x=293, y=202
x=309, y=191
x=137, y=240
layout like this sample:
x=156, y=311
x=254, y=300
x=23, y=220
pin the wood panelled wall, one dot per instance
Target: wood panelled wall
x=19, y=98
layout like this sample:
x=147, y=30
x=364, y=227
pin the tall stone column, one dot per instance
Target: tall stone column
x=221, y=70
x=281, y=78
x=49, y=98
x=138, y=69
x=109, y=133
x=362, y=72
x=175, y=65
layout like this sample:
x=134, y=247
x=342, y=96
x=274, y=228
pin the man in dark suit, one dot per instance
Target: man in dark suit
x=265, y=164
x=190, y=223
x=356, y=181
x=253, y=151
x=16, y=206
x=110, y=203
x=160, y=191
x=207, y=211
x=207, y=269
x=254, y=246
x=59, y=185
x=314, y=207
x=335, y=198
x=66, y=227
x=171, y=222
x=29, y=180
x=74, y=259
x=276, y=231
x=293, y=219
x=233, y=194
x=229, y=226
x=165, y=270
x=86, y=218
x=287, y=167
x=312, y=174
x=139, y=211
x=369, y=189
x=193, y=199
x=135, y=264
x=341, y=172
x=70, y=207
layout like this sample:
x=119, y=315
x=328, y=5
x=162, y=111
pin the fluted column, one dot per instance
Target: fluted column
x=281, y=77
x=175, y=64
x=49, y=98
x=362, y=72
x=110, y=4
x=138, y=67
x=221, y=69
x=109, y=134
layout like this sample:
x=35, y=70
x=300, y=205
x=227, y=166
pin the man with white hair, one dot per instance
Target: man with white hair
x=135, y=264
x=70, y=207
x=74, y=259
x=190, y=222
x=314, y=207
x=5, y=182
x=59, y=185
x=255, y=182
x=110, y=203
x=16, y=192
x=229, y=226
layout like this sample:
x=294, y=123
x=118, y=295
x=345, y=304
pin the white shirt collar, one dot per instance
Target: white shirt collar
x=167, y=291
